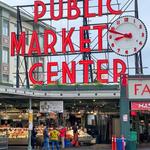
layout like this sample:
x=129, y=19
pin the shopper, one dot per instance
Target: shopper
x=46, y=139
x=54, y=134
x=33, y=137
x=75, y=141
x=63, y=135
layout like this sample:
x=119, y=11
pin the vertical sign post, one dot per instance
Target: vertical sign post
x=124, y=108
x=30, y=124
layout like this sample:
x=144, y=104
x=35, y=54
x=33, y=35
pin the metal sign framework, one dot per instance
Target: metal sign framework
x=128, y=7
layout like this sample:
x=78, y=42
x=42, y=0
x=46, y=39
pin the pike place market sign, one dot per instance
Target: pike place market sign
x=126, y=37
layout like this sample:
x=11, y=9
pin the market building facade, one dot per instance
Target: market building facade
x=102, y=109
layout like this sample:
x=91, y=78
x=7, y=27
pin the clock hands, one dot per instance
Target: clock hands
x=127, y=35
x=115, y=32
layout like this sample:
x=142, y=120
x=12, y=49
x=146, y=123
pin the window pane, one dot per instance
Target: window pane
x=15, y=29
x=5, y=28
x=5, y=55
x=5, y=78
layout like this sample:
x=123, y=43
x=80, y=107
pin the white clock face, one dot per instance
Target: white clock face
x=127, y=36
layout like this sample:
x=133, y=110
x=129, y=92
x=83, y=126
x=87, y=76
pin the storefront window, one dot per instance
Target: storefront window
x=5, y=28
x=5, y=55
x=5, y=78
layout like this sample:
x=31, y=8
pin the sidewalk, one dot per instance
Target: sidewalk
x=94, y=147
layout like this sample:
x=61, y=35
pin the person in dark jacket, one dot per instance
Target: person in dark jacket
x=75, y=141
x=33, y=138
x=46, y=145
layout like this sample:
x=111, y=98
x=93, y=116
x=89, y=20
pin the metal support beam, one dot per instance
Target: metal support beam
x=19, y=29
x=138, y=56
x=18, y=60
x=87, y=56
x=30, y=131
x=124, y=111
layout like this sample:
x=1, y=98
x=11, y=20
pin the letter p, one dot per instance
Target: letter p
x=38, y=14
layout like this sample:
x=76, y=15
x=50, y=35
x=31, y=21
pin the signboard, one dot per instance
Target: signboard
x=140, y=106
x=139, y=89
x=51, y=106
x=125, y=117
x=125, y=30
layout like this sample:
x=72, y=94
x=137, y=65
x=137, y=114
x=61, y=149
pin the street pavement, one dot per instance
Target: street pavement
x=94, y=147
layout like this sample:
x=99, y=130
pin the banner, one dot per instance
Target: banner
x=140, y=106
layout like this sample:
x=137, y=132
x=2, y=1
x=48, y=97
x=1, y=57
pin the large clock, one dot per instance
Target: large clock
x=127, y=35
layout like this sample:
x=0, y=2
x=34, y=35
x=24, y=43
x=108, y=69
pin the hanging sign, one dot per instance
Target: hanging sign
x=51, y=106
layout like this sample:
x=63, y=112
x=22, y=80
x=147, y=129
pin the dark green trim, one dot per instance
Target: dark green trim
x=88, y=87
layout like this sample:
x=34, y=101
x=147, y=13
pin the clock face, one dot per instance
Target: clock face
x=127, y=36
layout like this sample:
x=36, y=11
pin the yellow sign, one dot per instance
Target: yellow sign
x=30, y=117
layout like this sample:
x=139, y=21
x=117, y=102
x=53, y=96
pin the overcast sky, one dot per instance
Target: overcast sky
x=143, y=14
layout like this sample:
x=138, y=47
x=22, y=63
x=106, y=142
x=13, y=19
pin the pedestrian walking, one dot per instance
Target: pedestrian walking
x=75, y=141
x=54, y=134
x=63, y=135
x=33, y=137
x=46, y=139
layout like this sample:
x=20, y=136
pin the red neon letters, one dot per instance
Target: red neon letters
x=49, y=46
x=71, y=72
x=18, y=45
x=71, y=7
x=141, y=89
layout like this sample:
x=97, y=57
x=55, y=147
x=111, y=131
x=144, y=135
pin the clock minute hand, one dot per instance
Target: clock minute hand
x=116, y=32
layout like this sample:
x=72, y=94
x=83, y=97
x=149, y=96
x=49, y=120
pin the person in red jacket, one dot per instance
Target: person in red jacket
x=63, y=131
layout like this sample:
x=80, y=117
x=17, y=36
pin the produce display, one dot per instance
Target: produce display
x=14, y=132
x=22, y=133
x=82, y=136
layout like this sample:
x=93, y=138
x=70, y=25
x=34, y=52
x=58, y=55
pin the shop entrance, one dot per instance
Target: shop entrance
x=99, y=118
x=140, y=117
x=141, y=124
x=102, y=126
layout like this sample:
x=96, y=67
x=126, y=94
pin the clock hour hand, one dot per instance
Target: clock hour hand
x=119, y=38
x=129, y=36
x=116, y=32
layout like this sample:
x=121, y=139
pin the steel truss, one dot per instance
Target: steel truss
x=128, y=7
